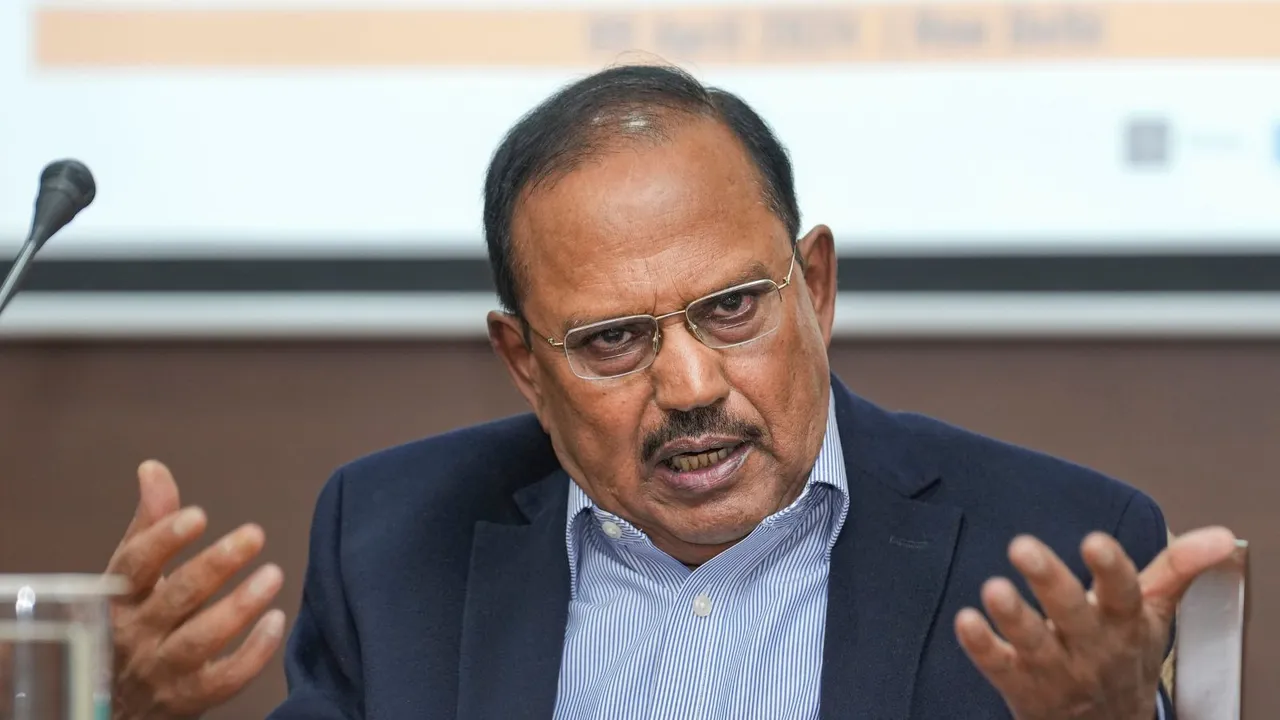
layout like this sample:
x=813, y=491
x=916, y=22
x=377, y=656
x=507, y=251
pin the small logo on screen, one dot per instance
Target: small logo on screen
x=1147, y=142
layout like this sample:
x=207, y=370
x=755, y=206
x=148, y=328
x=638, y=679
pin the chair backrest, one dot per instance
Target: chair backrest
x=1206, y=669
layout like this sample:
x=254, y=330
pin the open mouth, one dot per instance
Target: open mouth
x=691, y=461
x=705, y=465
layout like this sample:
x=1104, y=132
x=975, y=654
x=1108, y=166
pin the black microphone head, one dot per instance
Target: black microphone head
x=73, y=173
x=66, y=188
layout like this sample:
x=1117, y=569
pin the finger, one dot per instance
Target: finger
x=1055, y=586
x=188, y=587
x=220, y=680
x=1019, y=623
x=157, y=497
x=141, y=560
x=1167, y=578
x=1115, y=579
x=206, y=634
x=994, y=657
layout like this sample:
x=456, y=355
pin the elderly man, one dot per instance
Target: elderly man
x=697, y=520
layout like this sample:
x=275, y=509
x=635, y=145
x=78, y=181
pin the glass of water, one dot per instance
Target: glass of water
x=55, y=646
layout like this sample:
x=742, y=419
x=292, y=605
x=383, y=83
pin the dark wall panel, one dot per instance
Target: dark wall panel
x=253, y=430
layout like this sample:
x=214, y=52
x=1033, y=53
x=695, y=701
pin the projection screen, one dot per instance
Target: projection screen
x=316, y=131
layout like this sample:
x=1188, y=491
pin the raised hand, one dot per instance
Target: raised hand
x=167, y=643
x=1097, y=654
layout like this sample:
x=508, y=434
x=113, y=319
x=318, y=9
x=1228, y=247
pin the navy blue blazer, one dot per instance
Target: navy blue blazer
x=438, y=581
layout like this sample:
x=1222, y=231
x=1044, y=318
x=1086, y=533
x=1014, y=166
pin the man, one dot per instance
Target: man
x=697, y=520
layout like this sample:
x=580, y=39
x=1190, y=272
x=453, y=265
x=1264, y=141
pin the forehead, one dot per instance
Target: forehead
x=646, y=227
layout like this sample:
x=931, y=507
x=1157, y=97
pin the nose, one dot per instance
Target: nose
x=687, y=374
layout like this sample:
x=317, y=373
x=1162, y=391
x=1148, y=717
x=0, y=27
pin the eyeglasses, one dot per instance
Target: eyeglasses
x=732, y=317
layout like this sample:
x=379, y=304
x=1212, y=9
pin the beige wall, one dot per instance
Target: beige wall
x=253, y=430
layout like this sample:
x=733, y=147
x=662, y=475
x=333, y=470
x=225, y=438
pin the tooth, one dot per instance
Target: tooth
x=687, y=463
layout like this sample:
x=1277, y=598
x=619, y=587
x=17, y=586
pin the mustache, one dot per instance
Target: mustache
x=709, y=420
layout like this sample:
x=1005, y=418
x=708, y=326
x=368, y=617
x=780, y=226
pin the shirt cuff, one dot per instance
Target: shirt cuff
x=1159, y=706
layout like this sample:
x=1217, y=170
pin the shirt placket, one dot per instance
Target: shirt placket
x=691, y=656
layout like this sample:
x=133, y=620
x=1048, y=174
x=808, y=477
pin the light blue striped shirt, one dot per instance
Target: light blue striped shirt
x=738, y=638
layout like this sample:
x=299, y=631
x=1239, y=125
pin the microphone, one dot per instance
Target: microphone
x=66, y=188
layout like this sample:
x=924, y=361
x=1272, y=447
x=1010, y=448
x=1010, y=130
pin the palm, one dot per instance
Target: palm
x=1094, y=654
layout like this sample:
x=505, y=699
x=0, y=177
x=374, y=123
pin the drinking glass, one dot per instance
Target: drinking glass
x=55, y=646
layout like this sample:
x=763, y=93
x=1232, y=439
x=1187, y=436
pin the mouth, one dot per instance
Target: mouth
x=700, y=465
x=690, y=461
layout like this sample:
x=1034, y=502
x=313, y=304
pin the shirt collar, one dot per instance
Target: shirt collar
x=828, y=471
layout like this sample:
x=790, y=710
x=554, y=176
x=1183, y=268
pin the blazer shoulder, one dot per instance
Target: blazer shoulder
x=508, y=439
x=984, y=472
x=471, y=471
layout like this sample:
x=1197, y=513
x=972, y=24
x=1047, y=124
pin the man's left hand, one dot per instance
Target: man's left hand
x=1097, y=654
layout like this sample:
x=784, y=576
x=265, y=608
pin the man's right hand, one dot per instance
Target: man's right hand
x=167, y=643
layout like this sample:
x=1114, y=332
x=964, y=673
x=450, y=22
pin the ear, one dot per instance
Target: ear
x=818, y=256
x=506, y=336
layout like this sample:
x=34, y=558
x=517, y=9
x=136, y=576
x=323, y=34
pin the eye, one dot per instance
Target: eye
x=731, y=304
x=609, y=338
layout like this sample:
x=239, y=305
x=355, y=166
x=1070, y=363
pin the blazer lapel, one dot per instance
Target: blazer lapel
x=517, y=605
x=888, y=570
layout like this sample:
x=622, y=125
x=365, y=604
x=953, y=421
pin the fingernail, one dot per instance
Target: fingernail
x=235, y=543
x=1105, y=555
x=1005, y=603
x=1035, y=563
x=187, y=521
x=273, y=625
x=241, y=541
x=1032, y=559
x=230, y=545
x=265, y=582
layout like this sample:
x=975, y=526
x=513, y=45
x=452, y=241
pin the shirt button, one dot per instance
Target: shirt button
x=611, y=529
x=702, y=605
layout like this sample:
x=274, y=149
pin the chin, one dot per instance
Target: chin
x=717, y=531
x=714, y=539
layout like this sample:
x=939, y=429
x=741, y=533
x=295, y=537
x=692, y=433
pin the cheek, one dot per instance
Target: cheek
x=785, y=384
x=596, y=428
x=808, y=348
x=789, y=361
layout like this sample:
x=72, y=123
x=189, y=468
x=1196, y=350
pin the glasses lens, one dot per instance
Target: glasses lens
x=611, y=348
x=738, y=315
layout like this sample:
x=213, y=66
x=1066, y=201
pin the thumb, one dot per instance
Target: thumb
x=157, y=497
x=1167, y=578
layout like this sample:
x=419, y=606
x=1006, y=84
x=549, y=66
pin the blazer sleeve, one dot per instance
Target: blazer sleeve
x=322, y=658
x=1143, y=533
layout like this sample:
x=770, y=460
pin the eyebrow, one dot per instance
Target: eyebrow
x=755, y=271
